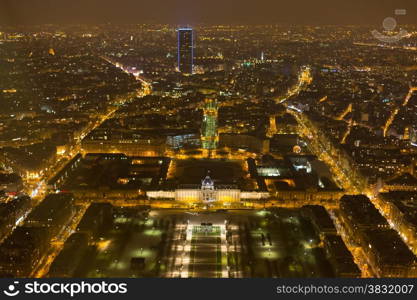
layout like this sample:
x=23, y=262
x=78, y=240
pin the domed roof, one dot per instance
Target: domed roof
x=207, y=182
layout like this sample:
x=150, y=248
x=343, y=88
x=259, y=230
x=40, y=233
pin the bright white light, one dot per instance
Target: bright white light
x=19, y=220
x=295, y=108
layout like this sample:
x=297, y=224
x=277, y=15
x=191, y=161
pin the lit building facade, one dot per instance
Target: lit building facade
x=131, y=145
x=209, y=136
x=208, y=193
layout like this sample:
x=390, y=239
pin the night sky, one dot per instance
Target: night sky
x=205, y=11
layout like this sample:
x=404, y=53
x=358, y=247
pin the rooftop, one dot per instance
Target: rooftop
x=390, y=247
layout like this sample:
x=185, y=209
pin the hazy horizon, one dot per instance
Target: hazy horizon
x=245, y=12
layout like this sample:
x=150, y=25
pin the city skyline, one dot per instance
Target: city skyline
x=209, y=151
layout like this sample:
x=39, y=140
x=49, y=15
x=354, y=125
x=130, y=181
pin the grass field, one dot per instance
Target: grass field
x=205, y=256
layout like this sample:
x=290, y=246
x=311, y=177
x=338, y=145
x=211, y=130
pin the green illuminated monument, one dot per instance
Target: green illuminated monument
x=209, y=135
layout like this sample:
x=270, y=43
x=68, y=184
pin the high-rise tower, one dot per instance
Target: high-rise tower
x=185, y=50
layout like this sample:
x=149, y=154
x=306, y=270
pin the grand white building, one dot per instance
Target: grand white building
x=208, y=193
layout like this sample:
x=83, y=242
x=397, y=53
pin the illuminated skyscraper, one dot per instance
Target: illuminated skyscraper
x=185, y=50
x=209, y=129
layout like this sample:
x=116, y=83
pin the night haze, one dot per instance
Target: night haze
x=203, y=11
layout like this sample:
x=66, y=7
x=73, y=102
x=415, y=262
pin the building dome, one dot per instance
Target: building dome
x=207, y=183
